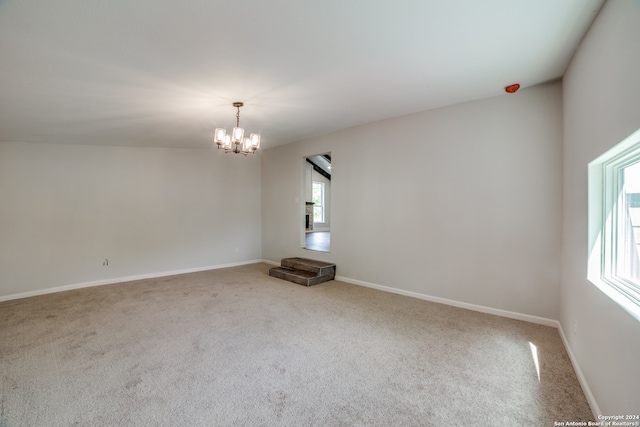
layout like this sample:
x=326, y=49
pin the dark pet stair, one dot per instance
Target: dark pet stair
x=303, y=271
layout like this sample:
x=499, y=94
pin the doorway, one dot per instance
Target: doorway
x=316, y=193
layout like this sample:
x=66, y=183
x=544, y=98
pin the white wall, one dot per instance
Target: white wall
x=462, y=202
x=65, y=208
x=601, y=107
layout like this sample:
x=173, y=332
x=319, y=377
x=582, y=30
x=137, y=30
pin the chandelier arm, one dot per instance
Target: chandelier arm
x=249, y=145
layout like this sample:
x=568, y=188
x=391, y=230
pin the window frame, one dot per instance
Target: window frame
x=321, y=205
x=605, y=213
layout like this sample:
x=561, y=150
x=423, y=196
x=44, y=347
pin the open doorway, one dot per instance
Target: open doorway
x=317, y=196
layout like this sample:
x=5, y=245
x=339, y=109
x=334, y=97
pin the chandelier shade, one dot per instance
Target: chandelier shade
x=235, y=142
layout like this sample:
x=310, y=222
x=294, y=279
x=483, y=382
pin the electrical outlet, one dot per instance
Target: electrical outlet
x=105, y=262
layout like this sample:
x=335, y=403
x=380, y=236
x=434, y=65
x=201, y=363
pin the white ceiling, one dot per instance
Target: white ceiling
x=164, y=73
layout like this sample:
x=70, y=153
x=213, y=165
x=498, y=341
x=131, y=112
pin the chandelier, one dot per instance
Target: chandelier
x=236, y=142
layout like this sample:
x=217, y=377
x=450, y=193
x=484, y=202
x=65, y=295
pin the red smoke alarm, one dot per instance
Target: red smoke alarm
x=512, y=88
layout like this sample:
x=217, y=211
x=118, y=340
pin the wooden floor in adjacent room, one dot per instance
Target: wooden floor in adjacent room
x=318, y=241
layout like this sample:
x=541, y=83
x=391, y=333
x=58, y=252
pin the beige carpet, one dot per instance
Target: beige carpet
x=235, y=347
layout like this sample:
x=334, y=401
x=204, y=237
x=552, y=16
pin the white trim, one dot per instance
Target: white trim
x=616, y=296
x=591, y=400
x=482, y=309
x=604, y=190
x=502, y=313
x=323, y=222
x=122, y=279
x=595, y=409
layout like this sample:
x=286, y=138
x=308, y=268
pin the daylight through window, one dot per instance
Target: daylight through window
x=318, y=201
x=629, y=225
x=614, y=223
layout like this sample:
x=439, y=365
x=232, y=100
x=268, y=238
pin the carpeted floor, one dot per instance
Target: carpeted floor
x=235, y=347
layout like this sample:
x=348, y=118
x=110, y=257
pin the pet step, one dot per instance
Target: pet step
x=321, y=268
x=304, y=271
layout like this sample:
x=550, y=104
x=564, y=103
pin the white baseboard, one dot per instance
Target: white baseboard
x=468, y=306
x=595, y=409
x=498, y=312
x=581, y=378
x=503, y=313
x=122, y=279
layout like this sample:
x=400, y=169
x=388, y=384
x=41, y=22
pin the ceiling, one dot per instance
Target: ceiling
x=164, y=73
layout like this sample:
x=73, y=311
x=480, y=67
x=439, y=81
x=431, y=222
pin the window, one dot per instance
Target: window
x=614, y=223
x=317, y=197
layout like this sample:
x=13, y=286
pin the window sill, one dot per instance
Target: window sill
x=611, y=291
